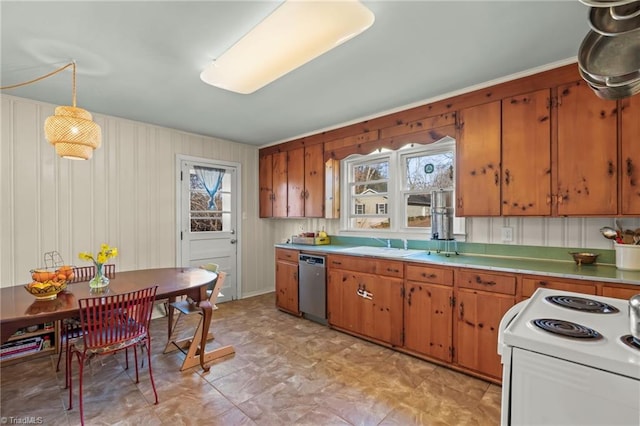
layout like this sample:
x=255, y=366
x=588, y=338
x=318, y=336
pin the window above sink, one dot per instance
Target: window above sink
x=390, y=191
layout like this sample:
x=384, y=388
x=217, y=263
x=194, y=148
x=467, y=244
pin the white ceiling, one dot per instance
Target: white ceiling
x=141, y=60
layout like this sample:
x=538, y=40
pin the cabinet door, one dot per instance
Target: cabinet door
x=314, y=181
x=381, y=302
x=287, y=286
x=478, y=161
x=526, y=155
x=587, y=152
x=266, y=185
x=344, y=306
x=428, y=319
x=478, y=319
x=630, y=188
x=280, y=184
x=295, y=183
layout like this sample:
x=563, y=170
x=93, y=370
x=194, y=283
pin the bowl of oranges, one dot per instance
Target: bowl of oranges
x=47, y=284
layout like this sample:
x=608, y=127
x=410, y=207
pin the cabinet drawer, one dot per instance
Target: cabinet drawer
x=529, y=286
x=390, y=268
x=353, y=263
x=287, y=255
x=621, y=292
x=429, y=274
x=487, y=282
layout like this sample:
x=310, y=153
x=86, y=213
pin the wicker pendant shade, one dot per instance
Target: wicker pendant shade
x=70, y=130
x=73, y=133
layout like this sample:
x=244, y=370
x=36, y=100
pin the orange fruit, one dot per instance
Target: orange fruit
x=71, y=275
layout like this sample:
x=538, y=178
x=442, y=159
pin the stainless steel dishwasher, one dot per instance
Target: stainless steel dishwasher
x=312, y=287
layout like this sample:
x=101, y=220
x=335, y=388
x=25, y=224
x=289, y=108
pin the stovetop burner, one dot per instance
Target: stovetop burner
x=566, y=328
x=631, y=341
x=582, y=304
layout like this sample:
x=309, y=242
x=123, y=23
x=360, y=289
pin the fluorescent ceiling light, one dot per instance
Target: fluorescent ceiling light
x=294, y=34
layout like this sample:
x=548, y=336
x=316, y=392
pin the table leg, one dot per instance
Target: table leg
x=170, y=316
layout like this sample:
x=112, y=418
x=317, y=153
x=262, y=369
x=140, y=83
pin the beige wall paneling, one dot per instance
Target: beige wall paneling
x=7, y=254
x=124, y=196
x=538, y=231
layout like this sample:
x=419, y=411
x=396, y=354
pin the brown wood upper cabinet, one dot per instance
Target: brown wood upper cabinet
x=478, y=161
x=630, y=150
x=292, y=183
x=273, y=185
x=587, y=171
x=505, y=155
x=306, y=182
x=526, y=154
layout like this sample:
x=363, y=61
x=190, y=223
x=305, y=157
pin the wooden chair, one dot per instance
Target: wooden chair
x=168, y=305
x=111, y=323
x=192, y=346
x=69, y=328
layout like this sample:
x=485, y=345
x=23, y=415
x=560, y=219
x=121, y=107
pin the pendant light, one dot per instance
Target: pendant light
x=70, y=130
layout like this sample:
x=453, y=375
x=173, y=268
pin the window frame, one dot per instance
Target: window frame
x=396, y=186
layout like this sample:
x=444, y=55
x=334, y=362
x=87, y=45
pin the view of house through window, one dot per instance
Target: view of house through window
x=392, y=190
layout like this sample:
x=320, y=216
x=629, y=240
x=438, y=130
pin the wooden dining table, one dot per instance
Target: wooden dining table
x=19, y=309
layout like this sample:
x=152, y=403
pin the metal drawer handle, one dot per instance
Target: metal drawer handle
x=461, y=309
x=429, y=276
x=479, y=281
x=364, y=294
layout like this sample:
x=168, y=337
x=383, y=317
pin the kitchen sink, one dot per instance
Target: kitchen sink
x=381, y=251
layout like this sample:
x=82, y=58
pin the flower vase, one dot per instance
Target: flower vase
x=99, y=280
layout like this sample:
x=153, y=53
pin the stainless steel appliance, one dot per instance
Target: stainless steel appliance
x=569, y=359
x=442, y=214
x=312, y=287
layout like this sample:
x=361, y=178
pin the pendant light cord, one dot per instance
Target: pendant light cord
x=35, y=80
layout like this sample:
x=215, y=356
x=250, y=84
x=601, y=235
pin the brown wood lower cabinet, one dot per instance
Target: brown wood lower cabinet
x=287, y=280
x=482, y=299
x=364, y=299
x=428, y=307
x=477, y=320
x=448, y=315
x=530, y=284
x=428, y=319
x=620, y=292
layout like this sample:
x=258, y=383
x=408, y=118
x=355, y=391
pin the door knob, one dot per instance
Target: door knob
x=233, y=241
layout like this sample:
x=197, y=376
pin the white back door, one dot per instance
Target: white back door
x=208, y=218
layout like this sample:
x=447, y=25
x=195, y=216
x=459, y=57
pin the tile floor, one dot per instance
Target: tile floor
x=286, y=371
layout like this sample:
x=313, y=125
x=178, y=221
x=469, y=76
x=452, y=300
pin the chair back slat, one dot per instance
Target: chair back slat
x=85, y=273
x=113, y=319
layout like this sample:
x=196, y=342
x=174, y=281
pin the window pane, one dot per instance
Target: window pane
x=206, y=216
x=418, y=210
x=368, y=204
x=370, y=188
x=371, y=171
x=370, y=223
x=429, y=172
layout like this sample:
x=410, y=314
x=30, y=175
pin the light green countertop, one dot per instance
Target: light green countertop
x=552, y=268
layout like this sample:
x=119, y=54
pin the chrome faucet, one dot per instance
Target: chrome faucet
x=387, y=242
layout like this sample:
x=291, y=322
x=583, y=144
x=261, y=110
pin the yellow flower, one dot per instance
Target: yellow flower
x=106, y=252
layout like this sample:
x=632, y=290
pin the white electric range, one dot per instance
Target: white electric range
x=569, y=359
